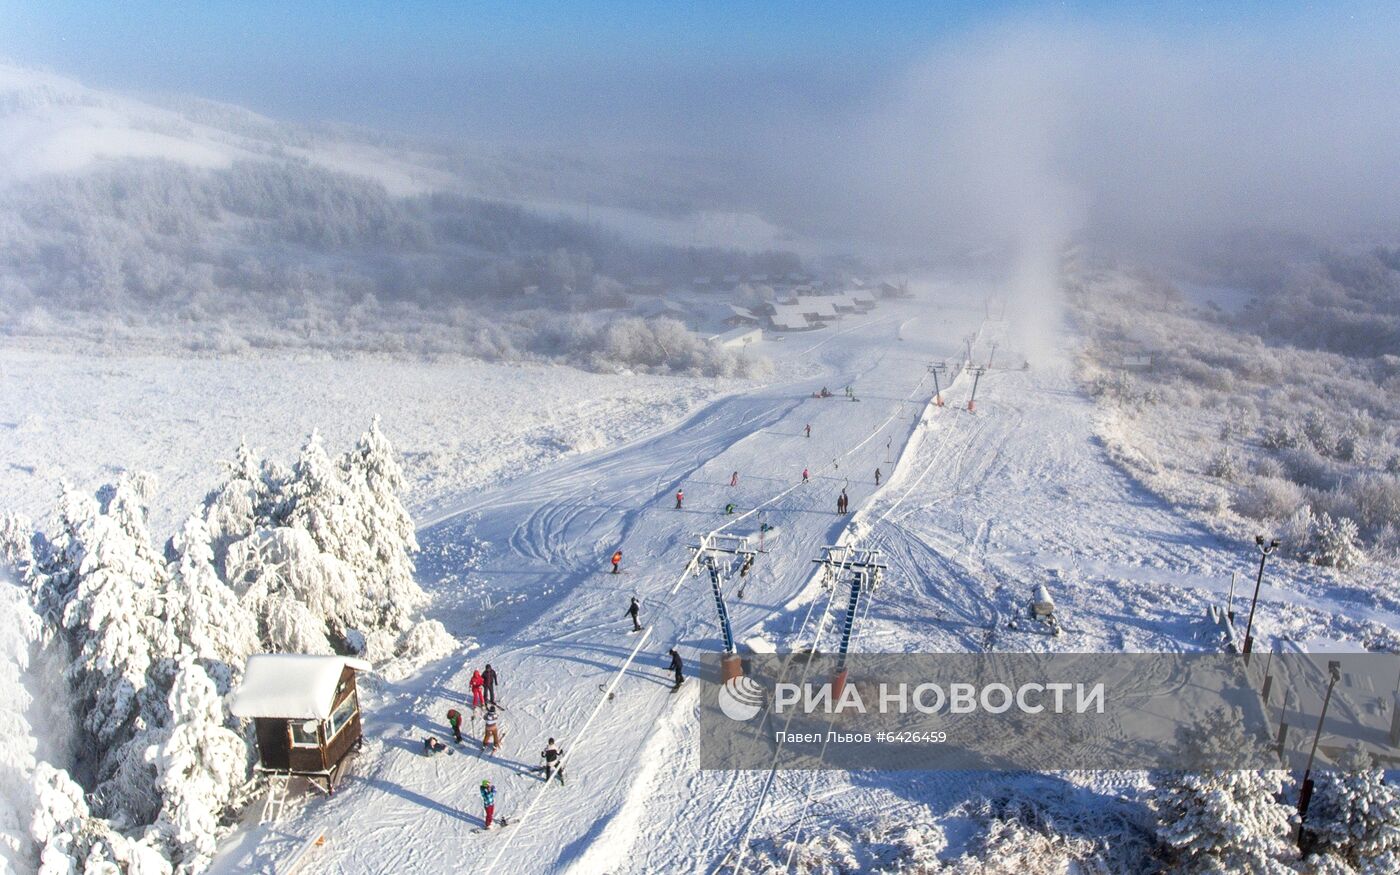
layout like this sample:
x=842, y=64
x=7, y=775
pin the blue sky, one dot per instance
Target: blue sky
x=530, y=69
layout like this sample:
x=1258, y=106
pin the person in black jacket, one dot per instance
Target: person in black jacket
x=488, y=683
x=632, y=611
x=553, y=762
x=676, y=666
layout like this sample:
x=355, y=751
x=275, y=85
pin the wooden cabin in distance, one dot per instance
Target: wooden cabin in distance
x=305, y=710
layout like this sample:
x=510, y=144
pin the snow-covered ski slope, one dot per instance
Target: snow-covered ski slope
x=978, y=509
x=555, y=629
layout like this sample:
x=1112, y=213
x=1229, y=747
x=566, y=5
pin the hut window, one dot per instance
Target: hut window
x=340, y=717
x=304, y=733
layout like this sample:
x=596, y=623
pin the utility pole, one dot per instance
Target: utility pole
x=1334, y=671
x=991, y=355
x=977, y=373
x=1264, y=551
x=934, y=368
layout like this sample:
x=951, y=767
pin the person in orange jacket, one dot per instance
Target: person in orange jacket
x=616, y=560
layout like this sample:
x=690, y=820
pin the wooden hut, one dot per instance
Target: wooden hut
x=305, y=710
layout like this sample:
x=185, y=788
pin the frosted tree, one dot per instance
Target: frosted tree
x=1222, y=820
x=239, y=504
x=62, y=826
x=201, y=615
x=200, y=767
x=1356, y=815
x=1336, y=543
x=300, y=597
x=374, y=475
x=17, y=744
x=322, y=503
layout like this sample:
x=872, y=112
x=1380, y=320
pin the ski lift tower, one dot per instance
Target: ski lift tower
x=934, y=368
x=977, y=373
x=865, y=570
x=710, y=554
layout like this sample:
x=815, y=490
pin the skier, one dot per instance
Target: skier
x=748, y=564
x=729, y=509
x=478, y=697
x=680, y=498
x=841, y=503
x=632, y=611
x=488, y=801
x=491, y=735
x=488, y=684
x=616, y=560
x=734, y=479
x=676, y=667
x=431, y=745
x=553, y=764
x=805, y=475
x=454, y=719
x=809, y=429
x=877, y=476
x=845, y=502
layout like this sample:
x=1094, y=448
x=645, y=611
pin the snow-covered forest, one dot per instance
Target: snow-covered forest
x=119, y=748
x=1275, y=413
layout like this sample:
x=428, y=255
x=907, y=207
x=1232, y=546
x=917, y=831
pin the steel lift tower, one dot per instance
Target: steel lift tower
x=711, y=555
x=865, y=571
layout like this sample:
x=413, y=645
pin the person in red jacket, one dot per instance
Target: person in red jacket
x=680, y=498
x=734, y=479
x=478, y=696
x=616, y=560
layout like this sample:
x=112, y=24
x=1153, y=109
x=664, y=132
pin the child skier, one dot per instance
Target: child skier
x=477, y=682
x=491, y=735
x=431, y=745
x=632, y=611
x=734, y=479
x=553, y=764
x=805, y=475
x=676, y=667
x=454, y=719
x=729, y=509
x=488, y=684
x=680, y=498
x=877, y=476
x=488, y=802
x=616, y=560
x=809, y=429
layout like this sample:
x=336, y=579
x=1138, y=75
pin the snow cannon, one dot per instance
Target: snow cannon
x=731, y=666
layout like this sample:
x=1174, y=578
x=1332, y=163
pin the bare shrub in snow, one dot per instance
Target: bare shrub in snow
x=1269, y=498
x=1223, y=465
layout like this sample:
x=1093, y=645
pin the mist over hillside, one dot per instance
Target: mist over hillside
x=212, y=228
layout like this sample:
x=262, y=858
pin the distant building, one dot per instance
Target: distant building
x=789, y=317
x=818, y=310
x=738, y=337
x=742, y=316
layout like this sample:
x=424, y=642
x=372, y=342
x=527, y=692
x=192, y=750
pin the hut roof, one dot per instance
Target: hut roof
x=295, y=686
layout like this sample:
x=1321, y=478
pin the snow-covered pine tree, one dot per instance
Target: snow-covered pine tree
x=374, y=475
x=244, y=500
x=1355, y=814
x=301, y=598
x=200, y=767
x=17, y=744
x=321, y=503
x=1336, y=543
x=202, y=617
x=1222, y=820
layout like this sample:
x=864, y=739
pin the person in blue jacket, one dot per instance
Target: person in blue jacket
x=488, y=801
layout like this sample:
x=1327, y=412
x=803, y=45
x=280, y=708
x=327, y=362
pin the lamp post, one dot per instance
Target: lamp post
x=1334, y=671
x=1264, y=551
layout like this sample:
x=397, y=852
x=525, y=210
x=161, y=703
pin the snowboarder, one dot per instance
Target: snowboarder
x=616, y=560
x=809, y=429
x=553, y=762
x=431, y=745
x=632, y=611
x=805, y=475
x=488, y=684
x=488, y=802
x=454, y=719
x=877, y=476
x=729, y=509
x=734, y=479
x=491, y=735
x=680, y=498
x=748, y=564
x=676, y=667
x=478, y=697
